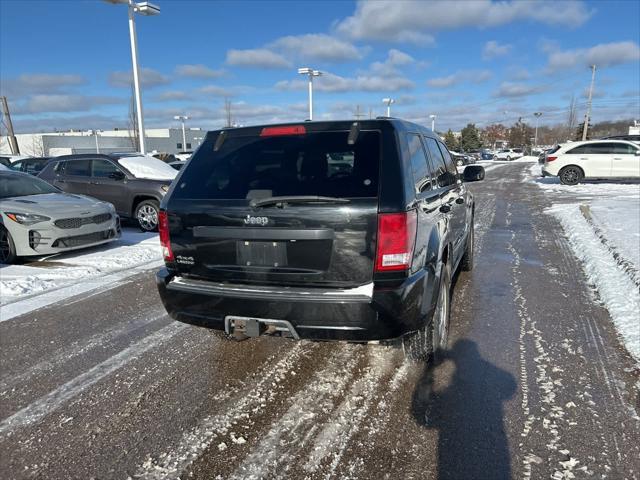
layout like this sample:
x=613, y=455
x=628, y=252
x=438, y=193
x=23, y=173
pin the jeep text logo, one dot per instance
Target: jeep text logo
x=256, y=220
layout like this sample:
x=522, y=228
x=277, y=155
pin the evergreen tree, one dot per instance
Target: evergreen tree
x=450, y=140
x=470, y=138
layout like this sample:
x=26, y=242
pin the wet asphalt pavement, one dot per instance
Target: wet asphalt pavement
x=535, y=383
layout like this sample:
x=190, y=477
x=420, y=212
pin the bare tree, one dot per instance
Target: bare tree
x=134, y=136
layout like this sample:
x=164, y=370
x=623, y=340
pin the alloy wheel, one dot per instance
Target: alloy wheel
x=148, y=217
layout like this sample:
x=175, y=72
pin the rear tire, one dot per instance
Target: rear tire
x=508, y=158
x=571, y=175
x=466, y=264
x=146, y=215
x=7, y=247
x=425, y=344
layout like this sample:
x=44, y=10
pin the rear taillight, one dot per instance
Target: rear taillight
x=396, y=239
x=551, y=159
x=165, y=242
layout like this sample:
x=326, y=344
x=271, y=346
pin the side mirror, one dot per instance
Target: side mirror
x=117, y=175
x=637, y=154
x=473, y=173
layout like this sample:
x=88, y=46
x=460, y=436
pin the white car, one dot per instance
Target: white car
x=595, y=159
x=509, y=154
x=38, y=219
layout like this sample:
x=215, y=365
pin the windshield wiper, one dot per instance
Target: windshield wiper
x=281, y=201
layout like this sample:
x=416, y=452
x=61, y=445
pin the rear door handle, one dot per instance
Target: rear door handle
x=617, y=158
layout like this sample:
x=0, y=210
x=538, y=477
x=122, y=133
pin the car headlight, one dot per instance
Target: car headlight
x=26, y=218
x=165, y=188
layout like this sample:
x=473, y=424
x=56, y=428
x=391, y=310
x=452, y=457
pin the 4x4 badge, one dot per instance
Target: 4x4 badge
x=256, y=220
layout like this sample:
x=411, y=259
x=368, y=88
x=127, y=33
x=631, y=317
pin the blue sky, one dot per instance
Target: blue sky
x=66, y=64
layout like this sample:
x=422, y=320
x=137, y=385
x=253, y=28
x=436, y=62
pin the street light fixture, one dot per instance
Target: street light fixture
x=182, y=119
x=388, y=102
x=311, y=73
x=146, y=9
x=433, y=122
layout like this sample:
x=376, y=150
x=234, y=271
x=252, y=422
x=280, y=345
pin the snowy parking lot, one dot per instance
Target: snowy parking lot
x=45, y=280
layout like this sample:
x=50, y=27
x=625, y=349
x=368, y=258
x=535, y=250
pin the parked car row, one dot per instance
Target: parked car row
x=77, y=201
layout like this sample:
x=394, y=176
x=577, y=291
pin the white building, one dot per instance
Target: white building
x=166, y=140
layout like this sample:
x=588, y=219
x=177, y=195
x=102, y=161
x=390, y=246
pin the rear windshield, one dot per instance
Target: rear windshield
x=246, y=167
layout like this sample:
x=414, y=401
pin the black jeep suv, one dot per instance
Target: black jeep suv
x=321, y=230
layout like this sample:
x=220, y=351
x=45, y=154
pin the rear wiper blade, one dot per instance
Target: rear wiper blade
x=281, y=201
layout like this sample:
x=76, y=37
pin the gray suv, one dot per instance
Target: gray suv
x=111, y=178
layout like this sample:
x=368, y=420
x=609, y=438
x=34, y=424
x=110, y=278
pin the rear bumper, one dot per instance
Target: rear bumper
x=363, y=314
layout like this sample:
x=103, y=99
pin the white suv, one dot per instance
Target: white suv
x=509, y=154
x=573, y=162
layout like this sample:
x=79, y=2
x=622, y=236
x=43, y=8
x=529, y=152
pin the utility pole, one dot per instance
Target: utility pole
x=370, y=113
x=11, y=136
x=358, y=114
x=587, y=115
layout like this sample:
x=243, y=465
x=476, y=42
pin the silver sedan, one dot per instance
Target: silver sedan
x=38, y=219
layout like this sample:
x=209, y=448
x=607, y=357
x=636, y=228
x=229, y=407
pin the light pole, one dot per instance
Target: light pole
x=147, y=9
x=535, y=141
x=433, y=122
x=310, y=72
x=95, y=134
x=182, y=118
x=388, y=102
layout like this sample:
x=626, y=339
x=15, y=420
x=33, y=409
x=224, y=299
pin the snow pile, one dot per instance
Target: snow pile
x=525, y=159
x=149, y=167
x=131, y=250
x=615, y=284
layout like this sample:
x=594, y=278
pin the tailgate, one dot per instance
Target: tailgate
x=221, y=231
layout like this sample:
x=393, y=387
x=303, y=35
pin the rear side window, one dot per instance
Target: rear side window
x=578, y=150
x=321, y=164
x=419, y=165
x=80, y=168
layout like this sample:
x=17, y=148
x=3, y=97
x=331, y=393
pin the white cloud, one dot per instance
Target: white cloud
x=38, y=83
x=148, y=78
x=518, y=73
x=215, y=90
x=471, y=76
x=44, y=103
x=602, y=55
x=511, y=89
x=257, y=58
x=198, y=71
x=417, y=21
x=365, y=83
x=395, y=58
x=493, y=49
x=316, y=47
x=171, y=95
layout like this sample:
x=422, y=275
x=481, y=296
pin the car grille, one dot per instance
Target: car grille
x=80, y=240
x=78, y=222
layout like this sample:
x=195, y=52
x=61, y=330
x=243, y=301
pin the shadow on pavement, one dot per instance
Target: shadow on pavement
x=467, y=410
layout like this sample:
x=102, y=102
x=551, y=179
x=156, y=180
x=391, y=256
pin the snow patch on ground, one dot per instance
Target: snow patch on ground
x=133, y=249
x=616, y=289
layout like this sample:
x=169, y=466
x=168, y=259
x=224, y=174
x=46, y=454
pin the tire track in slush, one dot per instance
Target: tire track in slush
x=172, y=463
